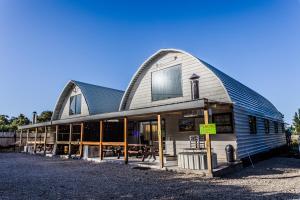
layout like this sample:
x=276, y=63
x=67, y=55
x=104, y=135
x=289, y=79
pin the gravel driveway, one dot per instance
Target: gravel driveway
x=35, y=177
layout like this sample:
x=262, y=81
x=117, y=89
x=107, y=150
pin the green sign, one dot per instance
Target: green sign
x=208, y=129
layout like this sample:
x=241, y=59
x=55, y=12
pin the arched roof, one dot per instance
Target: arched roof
x=99, y=99
x=238, y=93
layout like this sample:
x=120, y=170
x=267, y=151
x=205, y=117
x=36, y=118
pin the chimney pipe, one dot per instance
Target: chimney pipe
x=34, y=117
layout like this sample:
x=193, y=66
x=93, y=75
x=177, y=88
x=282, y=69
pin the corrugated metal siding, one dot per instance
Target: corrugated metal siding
x=254, y=143
x=209, y=85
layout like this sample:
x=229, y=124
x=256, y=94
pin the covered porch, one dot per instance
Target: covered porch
x=151, y=137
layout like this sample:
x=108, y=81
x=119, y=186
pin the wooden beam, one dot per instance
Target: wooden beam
x=160, y=142
x=113, y=143
x=56, y=133
x=27, y=137
x=101, y=140
x=21, y=137
x=81, y=138
x=45, y=139
x=208, y=144
x=35, y=137
x=70, y=140
x=91, y=143
x=125, y=141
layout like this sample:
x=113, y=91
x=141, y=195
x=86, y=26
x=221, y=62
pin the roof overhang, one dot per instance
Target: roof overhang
x=187, y=105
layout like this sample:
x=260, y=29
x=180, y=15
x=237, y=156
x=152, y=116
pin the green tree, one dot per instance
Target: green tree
x=18, y=121
x=45, y=116
x=4, y=123
x=296, y=122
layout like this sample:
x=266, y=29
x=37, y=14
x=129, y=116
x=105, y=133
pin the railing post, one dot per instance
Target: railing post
x=160, y=142
x=125, y=141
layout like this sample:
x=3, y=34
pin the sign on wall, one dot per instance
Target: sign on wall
x=208, y=129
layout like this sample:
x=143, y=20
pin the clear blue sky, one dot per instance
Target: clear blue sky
x=43, y=44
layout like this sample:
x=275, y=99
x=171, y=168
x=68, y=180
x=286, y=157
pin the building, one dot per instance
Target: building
x=162, y=106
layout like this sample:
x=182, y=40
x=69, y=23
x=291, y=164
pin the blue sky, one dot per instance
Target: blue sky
x=43, y=44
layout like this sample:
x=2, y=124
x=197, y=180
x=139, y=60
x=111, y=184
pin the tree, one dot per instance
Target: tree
x=296, y=122
x=45, y=116
x=18, y=121
x=4, y=123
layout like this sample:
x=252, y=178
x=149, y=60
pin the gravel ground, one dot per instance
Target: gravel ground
x=35, y=177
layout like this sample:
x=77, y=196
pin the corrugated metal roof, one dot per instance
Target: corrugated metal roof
x=244, y=96
x=237, y=92
x=99, y=99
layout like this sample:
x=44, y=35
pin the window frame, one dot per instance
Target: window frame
x=267, y=126
x=252, y=119
x=195, y=81
x=276, y=127
x=181, y=83
x=75, y=99
x=230, y=115
x=282, y=128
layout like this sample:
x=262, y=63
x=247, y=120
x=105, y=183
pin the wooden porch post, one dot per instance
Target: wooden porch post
x=55, y=142
x=70, y=140
x=35, y=137
x=45, y=139
x=101, y=140
x=208, y=145
x=21, y=137
x=56, y=134
x=81, y=138
x=160, y=142
x=27, y=137
x=125, y=141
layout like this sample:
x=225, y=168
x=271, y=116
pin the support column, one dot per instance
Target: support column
x=35, y=137
x=27, y=137
x=208, y=144
x=125, y=141
x=55, y=141
x=81, y=139
x=70, y=140
x=21, y=137
x=101, y=140
x=45, y=140
x=160, y=142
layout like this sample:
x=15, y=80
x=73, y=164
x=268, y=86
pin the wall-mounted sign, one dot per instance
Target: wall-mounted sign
x=208, y=129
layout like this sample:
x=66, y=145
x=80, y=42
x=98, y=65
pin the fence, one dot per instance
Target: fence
x=7, y=139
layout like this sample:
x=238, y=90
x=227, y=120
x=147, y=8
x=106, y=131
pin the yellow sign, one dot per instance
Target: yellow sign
x=208, y=129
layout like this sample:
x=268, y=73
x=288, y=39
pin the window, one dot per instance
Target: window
x=252, y=125
x=195, y=89
x=223, y=122
x=166, y=83
x=267, y=126
x=187, y=124
x=282, y=128
x=276, y=127
x=75, y=105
